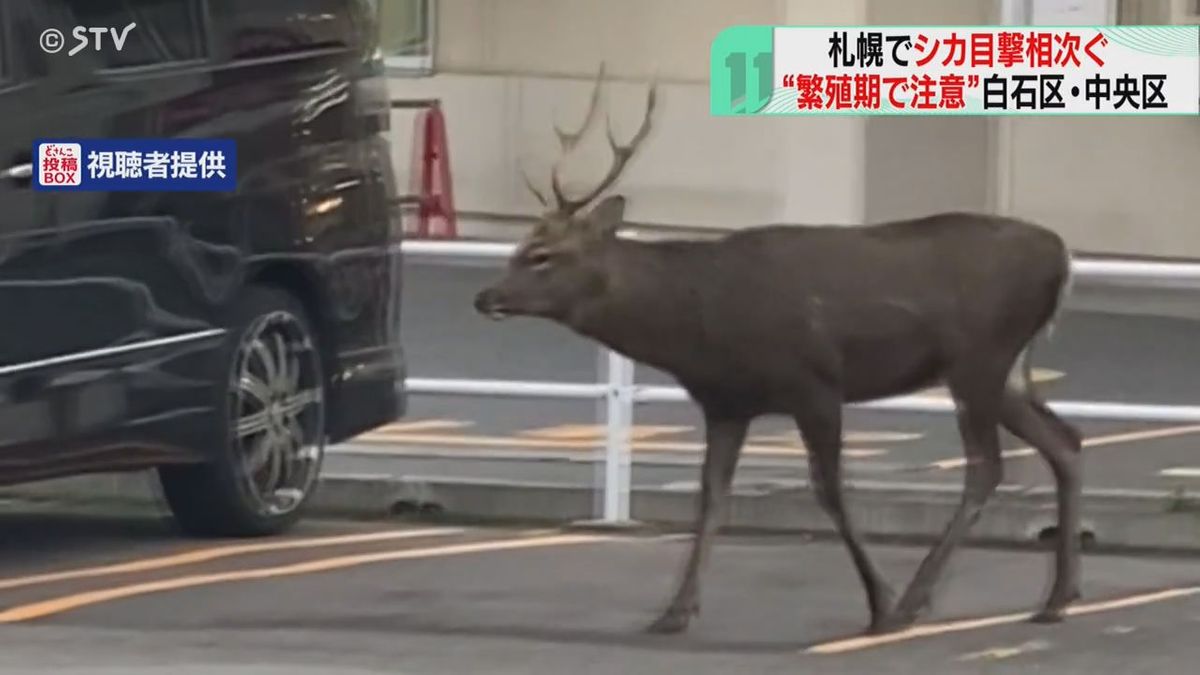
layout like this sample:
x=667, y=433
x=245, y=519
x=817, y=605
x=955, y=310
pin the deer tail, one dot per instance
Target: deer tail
x=1064, y=289
x=1021, y=375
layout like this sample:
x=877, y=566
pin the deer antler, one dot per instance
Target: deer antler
x=538, y=194
x=567, y=140
x=621, y=155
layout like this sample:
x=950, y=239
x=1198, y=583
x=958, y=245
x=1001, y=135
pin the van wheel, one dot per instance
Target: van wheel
x=272, y=396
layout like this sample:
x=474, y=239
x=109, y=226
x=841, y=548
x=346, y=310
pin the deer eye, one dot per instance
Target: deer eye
x=539, y=259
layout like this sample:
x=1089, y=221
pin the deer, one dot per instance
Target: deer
x=799, y=321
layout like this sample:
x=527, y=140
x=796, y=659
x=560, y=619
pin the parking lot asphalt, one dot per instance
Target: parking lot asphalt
x=83, y=590
x=121, y=592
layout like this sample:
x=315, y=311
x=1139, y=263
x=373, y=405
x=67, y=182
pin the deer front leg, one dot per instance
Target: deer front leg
x=821, y=427
x=724, y=438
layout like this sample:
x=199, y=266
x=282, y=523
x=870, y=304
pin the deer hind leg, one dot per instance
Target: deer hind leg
x=724, y=439
x=1059, y=445
x=821, y=427
x=978, y=395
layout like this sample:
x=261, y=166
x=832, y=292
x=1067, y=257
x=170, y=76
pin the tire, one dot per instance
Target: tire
x=271, y=425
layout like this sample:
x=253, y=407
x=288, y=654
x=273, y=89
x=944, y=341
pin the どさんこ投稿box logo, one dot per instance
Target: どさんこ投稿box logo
x=59, y=163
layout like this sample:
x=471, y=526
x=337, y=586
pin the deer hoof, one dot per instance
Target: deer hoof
x=671, y=622
x=898, y=619
x=1048, y=615
x=879, y=625
x=881, y=603
x=890, y=623
x=893, y=623
x=1055, y=609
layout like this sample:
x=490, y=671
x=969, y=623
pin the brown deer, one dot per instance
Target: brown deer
x=799, y=320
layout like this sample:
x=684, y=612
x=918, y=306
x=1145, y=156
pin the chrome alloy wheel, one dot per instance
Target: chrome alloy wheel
x=278, y=407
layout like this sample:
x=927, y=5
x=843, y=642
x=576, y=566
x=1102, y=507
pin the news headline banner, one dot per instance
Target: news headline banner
x=956, y=70
x=142, y=165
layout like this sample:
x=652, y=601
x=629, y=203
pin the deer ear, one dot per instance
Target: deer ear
x=608, y=215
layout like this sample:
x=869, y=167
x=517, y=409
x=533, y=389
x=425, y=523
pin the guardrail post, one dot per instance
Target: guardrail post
x=601, y=468
x=617, y=451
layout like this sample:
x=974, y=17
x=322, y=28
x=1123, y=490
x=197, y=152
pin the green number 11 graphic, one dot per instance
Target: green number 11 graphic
x=741, y=76
x=762, y=64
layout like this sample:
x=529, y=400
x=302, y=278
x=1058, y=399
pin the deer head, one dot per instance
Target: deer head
x=560, y=263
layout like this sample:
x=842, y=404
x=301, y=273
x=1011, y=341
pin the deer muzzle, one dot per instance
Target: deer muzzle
x=488, y=303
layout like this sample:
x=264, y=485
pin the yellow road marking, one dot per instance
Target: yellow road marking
x=481, y=441
x=1094, y=441
x=218, y=552
x=848, y=437
x=879, y=436
x=425, y=425
x=1133, y=600
x=36, y=610
x=596, y=432
x=791, y=440
x=929, y=630
x=867, y=641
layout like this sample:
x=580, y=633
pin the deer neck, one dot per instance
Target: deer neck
x=648, y=310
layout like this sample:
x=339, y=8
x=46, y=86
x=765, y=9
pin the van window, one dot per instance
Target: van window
x=280, y=27
x=6, y=45
x=4, y=42
x=167, y=30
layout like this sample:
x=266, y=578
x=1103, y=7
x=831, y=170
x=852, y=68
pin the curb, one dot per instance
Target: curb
x=1128, y=520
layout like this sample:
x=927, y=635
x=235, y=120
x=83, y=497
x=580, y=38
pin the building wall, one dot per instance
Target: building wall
x=917, y=165
x=569, y=37
x=1111, y=184
x=1117, y=185
x=507, y=69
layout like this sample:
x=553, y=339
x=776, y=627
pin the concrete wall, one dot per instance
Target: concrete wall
x=569, y=37
x=916, y=165
x=1110, y=184
x=508, y=68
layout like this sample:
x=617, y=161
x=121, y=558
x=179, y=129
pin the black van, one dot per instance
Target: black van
x=223, y=338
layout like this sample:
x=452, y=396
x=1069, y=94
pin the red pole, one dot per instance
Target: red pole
x=433, y=185
x=444, y=204
x=429, y=155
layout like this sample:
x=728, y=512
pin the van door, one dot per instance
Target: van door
x=26, y=416
x=115, y=294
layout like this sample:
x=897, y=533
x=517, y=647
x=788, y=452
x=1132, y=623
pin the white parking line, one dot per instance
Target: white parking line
x=933, y=629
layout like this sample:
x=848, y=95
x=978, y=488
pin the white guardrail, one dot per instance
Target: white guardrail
x=619, y=393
